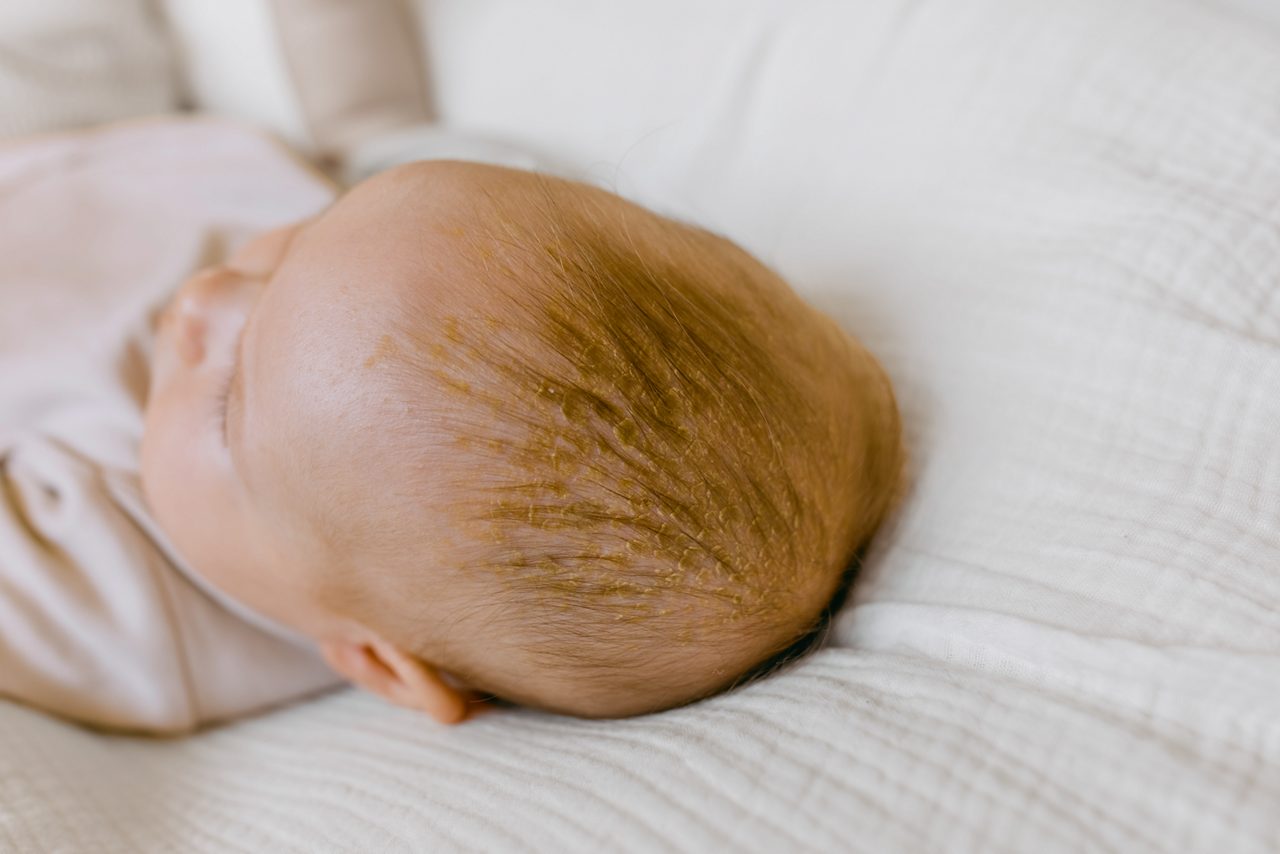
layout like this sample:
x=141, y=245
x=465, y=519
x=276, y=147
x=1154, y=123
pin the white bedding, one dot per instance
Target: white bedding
x=1059, y=225
x=70, y=63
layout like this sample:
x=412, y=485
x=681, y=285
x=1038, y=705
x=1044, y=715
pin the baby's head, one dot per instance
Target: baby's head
x=480, y=428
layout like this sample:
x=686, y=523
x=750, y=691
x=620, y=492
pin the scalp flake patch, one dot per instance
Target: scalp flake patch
x=385, y=349
x=621, y=413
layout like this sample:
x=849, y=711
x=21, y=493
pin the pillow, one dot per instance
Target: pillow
x=325, y=76
x=71, y=63
x=343, y=82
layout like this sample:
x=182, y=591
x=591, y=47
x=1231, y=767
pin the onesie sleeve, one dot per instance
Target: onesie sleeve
x=99, y=625
x=85, y=631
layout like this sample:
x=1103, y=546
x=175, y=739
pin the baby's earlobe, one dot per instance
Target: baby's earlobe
x=396, y=676
x=353, y=662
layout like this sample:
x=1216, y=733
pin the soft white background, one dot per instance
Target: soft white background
x=1057, y=225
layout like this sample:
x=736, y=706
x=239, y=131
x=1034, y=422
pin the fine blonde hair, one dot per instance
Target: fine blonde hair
x=663, y=460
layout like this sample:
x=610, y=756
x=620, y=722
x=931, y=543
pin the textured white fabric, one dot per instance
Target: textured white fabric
x=1057, y=224
x=70, y=63
x=433, y=142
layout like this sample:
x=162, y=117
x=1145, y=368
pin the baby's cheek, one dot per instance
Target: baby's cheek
x=161, y=456
x=172, y=466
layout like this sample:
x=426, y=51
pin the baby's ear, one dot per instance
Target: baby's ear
x=396, y=676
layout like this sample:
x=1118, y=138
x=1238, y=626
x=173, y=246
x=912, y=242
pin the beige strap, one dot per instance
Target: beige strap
x=356, y=68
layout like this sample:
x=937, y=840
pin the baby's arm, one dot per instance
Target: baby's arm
x=83, y=609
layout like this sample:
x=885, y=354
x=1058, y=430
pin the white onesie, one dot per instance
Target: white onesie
x=100, y=621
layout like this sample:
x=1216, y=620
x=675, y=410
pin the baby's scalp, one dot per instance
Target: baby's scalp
x=658, y=460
